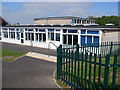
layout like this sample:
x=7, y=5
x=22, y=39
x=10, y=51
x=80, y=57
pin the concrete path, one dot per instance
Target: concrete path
x=28, y=72
x=28, y=49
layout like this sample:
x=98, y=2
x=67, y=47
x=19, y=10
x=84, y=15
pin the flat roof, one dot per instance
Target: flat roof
x=64, y=17
x=65, y=27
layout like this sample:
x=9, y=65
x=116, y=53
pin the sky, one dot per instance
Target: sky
x=25, y=12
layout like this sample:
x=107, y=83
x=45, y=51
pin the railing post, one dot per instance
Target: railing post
x=59, y=61
x=111, y=46
x=106, y=72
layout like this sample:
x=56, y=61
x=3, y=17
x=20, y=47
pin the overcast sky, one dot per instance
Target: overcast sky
x=25, y=12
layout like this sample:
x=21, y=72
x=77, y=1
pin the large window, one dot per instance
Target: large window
x=70, y=39
x=40, y=37
x=12, y=35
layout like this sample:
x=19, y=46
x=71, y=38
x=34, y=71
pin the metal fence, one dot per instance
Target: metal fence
x=89, y=66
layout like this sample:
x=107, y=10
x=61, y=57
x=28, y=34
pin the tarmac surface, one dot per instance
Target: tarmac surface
x=29, y=49
x=28, y=72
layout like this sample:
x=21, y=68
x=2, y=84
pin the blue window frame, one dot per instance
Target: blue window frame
x=82, y=40
x=92, y=32
x=72, y=31
x=83, y=31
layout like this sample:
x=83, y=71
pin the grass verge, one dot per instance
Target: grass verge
x=62, y=85
x=10, y=55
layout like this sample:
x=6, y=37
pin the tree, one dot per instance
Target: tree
x=3, y=22
x=105, y=20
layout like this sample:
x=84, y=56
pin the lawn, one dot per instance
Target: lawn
x=9, y=55
x=70, y=72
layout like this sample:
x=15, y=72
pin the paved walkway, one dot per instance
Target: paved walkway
x=28, y=72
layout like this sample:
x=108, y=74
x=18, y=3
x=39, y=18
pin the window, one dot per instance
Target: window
x=64, y=39
x=89, y=39
x=57, y=37
x=92, y=32
x=51, y=34
x=73, y=21
x=30, y=29
x=57, y=30
x=41, y=30
x=36, y=36
x=44, y=37
x=18, y=35
x=82, y=40
x=96, y=39
x=26, y=36
x=50, y=30
x=75, y=39
x=22, y=36
x=69, y=39
x=5, y=34
x=64, y=30
x=72, y=31
x=83, y=31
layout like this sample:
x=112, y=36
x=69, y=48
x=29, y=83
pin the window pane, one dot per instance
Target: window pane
x=64, y=30
x=30, y=29
x=26, y=38
x=82, y=39
x=36, y=36
x=42, y=30
x=52, y=36
x=96, y=39
x=69, y=39
x=64, y=39
x=40, y=37
x=50, y=30
x=44, y=37
x=92, y=32
x=75, y=39
x=57, y=37
x=72, y=31
x=22, y=35
x=89, y=39
x=32, y=36
x=18, y=35
x=83, y=31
